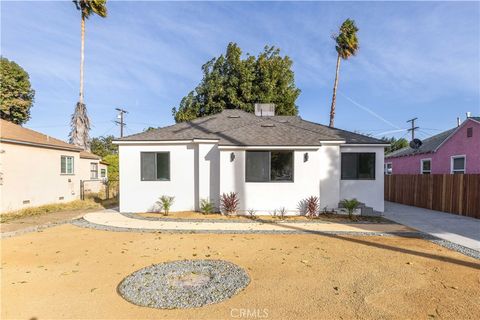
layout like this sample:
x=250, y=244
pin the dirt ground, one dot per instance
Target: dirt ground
x=67, y=272
x=324, y=217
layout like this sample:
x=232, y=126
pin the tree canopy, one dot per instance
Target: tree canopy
x=103, y=146
x=16, y=93
x=232, y=82
x=395, y=144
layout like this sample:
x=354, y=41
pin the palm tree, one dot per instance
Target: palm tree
x=80, y=123
x=346, y=46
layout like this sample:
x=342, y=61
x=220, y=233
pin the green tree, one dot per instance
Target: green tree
x=80, y=122
x=346, y=45
x=232, y=82
x=112, y=160
x=395, y=144
x=103, y=146
x=16, y=93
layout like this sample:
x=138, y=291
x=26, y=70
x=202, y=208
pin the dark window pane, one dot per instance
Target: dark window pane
x=257, y=166
x=426, y=165
x=163, y=166
x=281, y=166
x=366, y=165
x=349, y=166
x=147, y=165
x=469, y=132
x=63, y=165
x=458, y=163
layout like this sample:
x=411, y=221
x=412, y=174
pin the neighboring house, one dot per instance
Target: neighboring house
x=453, y=151
x=270, y=161
x=93, y=171
x=36, y=169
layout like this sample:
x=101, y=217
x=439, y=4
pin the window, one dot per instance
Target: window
x=103, y=173
x=469, y=132
x=458, y=164
x=267, y=166
x=388, y=168
x=426, y=166
x=155, y=166
x=358, y=166
x=93, y=170
x=66, y=165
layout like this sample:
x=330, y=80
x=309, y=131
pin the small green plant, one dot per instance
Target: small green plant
x=229, y=203
x=350, y=205
x=206, y=206
x=166, y=203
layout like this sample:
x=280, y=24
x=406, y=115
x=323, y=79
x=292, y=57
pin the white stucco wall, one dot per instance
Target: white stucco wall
x=91, y=185
x=369, y=192
x=264, y=197
x=140, y=196
x=33, y=174
x=202, y=170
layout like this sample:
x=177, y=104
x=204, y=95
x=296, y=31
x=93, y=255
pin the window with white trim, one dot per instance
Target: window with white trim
x=269, y=166
x=66, y=165
x=426, y=167
x=458, y=164
x=103, y=173
x=93, y=170
x=358, y=166
x=155, y=166
x=388, y=168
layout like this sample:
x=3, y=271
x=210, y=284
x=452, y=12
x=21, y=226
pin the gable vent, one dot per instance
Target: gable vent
x=268, y=125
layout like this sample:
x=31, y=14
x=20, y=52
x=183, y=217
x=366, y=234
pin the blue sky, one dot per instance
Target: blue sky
x=416, y=59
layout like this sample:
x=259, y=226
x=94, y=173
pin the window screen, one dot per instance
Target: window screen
x=66, y=165
x=265, y=166
x=358, y=166
x=155, y=166
x=458, y=165
x=258, y=166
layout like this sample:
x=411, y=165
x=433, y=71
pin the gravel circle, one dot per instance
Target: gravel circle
x=183, y=284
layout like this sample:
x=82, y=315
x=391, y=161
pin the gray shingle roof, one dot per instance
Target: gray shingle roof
x=428, y=145
x=236, y=127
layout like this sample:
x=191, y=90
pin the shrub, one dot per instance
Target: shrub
x=229, y=203
x=350, y=205
x=282, y=212
x=166, y=203
x=252, y=213
x=312, y=206
x=206, y=206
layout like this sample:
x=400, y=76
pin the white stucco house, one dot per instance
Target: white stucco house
x=37, y=169
x=270, y=161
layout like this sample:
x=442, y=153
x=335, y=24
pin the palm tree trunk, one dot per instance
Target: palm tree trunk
x=334, y=98
x=82, y=57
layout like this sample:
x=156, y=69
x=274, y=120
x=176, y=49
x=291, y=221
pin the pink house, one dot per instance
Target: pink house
x=454, y=151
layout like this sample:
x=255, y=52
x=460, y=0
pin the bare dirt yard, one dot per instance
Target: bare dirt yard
x=68, y=272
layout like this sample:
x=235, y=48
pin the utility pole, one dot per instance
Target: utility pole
x=121, y=122
x=413, y=128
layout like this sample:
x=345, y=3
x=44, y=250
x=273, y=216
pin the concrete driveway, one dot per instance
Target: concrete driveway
x=461, y=230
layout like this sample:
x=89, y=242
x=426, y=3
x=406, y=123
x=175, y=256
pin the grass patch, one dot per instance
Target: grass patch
x=50, y=208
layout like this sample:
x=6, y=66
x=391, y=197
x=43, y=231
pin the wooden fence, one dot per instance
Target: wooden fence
x=454, y=193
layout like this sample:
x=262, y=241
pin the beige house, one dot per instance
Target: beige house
x=36, y=169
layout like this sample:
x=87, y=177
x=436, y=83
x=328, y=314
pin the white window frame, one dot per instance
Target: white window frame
x=66, y=166
x=386, y=168
x=452, y=158
x=93, y=173
x=421, y=166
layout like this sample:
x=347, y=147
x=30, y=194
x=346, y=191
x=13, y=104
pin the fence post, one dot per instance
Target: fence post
x=81, y=190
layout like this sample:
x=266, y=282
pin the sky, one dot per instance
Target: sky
x=416, y=59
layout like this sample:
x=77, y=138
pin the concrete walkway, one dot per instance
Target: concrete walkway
x=461, y=230
x=113, y=218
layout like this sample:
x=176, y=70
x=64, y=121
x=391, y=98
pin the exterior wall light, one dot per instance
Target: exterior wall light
x=305, y=157
x=232, y=156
